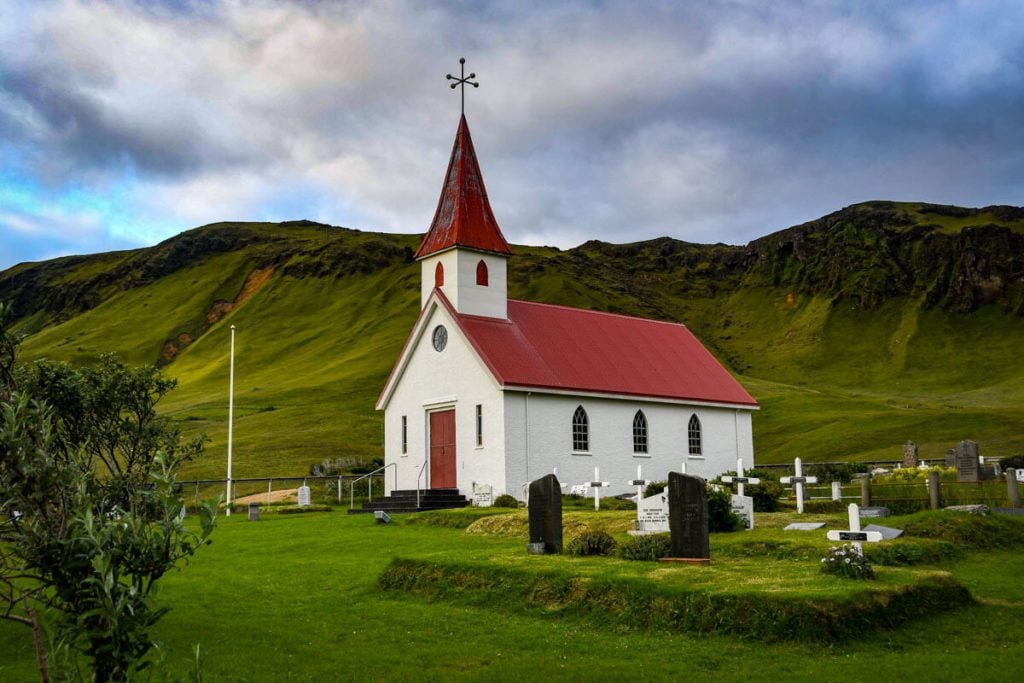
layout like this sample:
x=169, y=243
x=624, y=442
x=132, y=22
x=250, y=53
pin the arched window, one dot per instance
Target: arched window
x=580, y=430
x=481, y=273
x=439, y=275
x=693, y=435
x=639, y=432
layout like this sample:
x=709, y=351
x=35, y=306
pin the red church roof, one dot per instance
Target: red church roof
x=464, y=217
x=572, y=349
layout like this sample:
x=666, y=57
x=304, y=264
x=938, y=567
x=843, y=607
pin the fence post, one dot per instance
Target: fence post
x=865, y=492
x=339, y=489
x=933, y=489
x=1011, y=487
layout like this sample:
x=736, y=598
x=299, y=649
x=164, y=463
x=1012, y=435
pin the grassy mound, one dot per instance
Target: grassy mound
x=976, y=532
x=573, y=524
x=453, y=519
x=634, y=603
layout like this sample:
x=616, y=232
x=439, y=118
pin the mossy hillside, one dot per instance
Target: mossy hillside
x=836, y=379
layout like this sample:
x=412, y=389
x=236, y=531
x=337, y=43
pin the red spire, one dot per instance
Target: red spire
x=463, y=216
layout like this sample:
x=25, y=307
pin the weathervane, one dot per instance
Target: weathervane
x=463, y=81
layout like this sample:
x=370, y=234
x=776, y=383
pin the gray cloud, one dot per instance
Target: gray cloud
x=616, y=121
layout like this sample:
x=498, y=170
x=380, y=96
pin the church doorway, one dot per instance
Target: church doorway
x=442, y=449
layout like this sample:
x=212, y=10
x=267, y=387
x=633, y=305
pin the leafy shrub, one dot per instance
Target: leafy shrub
x=650, y=548
x=914, y=475
x=505, y=501
x=1013, y=461
x=720, y=514
x=655, y=487
x=591, y=543
x=836, y=471
x=766, y=494
x=845, y=561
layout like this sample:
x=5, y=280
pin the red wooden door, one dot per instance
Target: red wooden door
x=442, y=449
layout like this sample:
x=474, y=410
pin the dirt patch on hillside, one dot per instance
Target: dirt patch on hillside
x=279, y=496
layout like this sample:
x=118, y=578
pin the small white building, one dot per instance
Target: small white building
x=498, y=392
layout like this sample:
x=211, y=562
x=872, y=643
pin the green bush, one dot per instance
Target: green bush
x=824, y=506
x=655, y=487
x=845, y=561
x=505, y=501
x=836, y=471
x=766, y=494
x=1013, y=461
x=720, y=514
x=650, y=548
x=591, y=543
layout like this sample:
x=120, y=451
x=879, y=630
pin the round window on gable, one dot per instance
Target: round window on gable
x=440, y=338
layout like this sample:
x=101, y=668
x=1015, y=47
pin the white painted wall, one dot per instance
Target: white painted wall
x=726, y=435
x=432, y=381
x=460, y=282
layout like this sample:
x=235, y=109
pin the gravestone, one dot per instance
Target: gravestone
x=910, y=454
x=688, y=518
x=876, y=511
x=950, y=458
x=888, y=533
x=303, y=495
x=254, y=512
x=743, y=507
x=967, y=461
x=804, y=526
x=854, y=533
x=545, y=516
x=652, y=515
x=483, y=495
x=798, y=481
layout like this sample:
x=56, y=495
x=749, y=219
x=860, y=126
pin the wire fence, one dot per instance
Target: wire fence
x=907, y=497
x=324, y=490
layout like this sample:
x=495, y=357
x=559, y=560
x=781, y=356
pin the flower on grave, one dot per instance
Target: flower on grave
x=847, y=562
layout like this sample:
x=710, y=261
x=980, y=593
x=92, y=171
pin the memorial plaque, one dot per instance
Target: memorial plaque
x=688, y=517
x=888, y=533
x=967, y=461
x=545, y=510
x=303, y=495
x=804, y=526
x=876, y=511
x=483, y=495
x=743, y=507
x=652, y=514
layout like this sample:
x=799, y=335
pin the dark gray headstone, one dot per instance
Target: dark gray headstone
x=888, y=533
x=876, y=511
x=545, y=515
x=910, y=454
x=951, y=458
x=688, y=516
x=967, y=461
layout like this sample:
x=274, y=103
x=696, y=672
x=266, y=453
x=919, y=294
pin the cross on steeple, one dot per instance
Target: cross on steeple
x=463, y=81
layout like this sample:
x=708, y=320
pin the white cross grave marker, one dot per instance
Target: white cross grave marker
x=639, y=483
x=798, y=482
x=596, y=485
x=854, y=534
x=740, y=479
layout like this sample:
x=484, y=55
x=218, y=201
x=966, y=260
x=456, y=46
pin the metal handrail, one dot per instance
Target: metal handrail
x=369, y=486
x=418, y=475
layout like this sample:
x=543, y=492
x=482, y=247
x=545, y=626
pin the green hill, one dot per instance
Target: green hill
x=879, y=323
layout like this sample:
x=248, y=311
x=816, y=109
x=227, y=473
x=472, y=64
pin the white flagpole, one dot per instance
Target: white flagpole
x=231, y=416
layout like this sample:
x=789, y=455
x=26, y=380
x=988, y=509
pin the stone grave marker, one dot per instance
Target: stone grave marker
x=254, y=512
x=798, y=481
x=804, y=526
x=837, y=490
x=874, y=511
x=967, y=461
x=910, y=454
x=854, y=535
x=303, y=495
x=483, y=495
x=652, y=515
x=545, y=511
x=688, y=519
x=888, y=533
x=950, y=458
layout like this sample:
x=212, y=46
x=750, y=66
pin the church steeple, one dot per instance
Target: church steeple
x=463, y=217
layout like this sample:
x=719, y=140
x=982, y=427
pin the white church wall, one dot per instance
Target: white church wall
x=450, y=262
x=453, y=378
x=460, y=282
x=726, y=435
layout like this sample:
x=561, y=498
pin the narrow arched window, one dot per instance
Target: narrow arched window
x=639, y=432
x=693, y=435
x=481, y=273
x=580, y=430
x=439, y=275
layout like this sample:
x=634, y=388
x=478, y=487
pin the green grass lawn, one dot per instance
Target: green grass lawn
x=295, y=597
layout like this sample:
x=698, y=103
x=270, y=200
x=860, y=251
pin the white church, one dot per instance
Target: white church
x=491, y=391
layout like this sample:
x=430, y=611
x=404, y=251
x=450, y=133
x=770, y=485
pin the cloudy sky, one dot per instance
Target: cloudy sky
x=124, y=123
